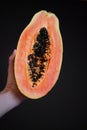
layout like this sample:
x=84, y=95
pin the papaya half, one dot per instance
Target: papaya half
x=39, y=55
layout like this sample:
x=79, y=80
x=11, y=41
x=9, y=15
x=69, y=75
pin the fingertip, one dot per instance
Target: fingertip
x=14, y=51
x=12, y=56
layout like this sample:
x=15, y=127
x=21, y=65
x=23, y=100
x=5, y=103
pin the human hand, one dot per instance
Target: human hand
x=11, y=85
x=10, y=97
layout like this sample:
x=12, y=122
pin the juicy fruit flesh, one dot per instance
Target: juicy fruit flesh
x=38, y=60
x=25, y=48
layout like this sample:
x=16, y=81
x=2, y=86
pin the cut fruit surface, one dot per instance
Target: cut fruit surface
x=39, y=55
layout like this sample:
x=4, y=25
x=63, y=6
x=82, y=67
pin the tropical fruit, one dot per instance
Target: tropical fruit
x=39, y=55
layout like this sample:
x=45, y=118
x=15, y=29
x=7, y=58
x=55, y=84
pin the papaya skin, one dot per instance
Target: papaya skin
x=24, y=47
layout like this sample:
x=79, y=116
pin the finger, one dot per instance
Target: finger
x=11, y=67
x=11, y=63
x=11, y=58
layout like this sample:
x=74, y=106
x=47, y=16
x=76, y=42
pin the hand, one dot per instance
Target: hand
x=10, y=97
x=11, y=83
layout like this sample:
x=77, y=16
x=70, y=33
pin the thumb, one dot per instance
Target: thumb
x=10, y=78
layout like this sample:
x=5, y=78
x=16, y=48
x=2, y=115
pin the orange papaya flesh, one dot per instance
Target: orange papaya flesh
x=39, y=55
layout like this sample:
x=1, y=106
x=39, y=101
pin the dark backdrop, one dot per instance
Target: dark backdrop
x=65, y=106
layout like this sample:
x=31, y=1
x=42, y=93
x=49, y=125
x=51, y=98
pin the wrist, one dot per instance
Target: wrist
x=13, y=93
x=8, y=101
x=11, y=97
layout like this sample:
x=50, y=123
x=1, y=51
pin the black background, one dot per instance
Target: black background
x=66, y=105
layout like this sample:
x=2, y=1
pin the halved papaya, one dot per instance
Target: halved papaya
x=39, y=55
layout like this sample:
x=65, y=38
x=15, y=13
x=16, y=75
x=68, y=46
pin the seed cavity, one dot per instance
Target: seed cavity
x=38, y=60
